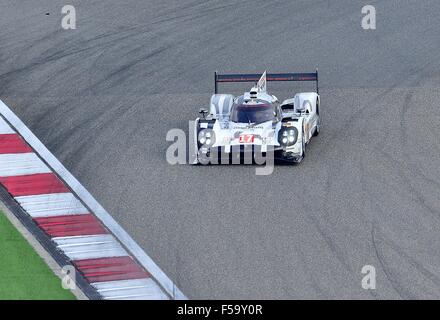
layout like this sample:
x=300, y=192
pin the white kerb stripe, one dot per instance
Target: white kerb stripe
x=21, y=164
x=137, y=289
x=5, y=128
x=48, y=205
x=90, y=247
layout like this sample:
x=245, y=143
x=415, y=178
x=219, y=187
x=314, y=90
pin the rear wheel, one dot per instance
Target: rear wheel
x=318, y=125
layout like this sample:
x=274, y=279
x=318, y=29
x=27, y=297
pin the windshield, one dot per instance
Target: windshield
x=254, y=113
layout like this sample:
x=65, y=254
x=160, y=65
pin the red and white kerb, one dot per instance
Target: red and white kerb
x=75, y=231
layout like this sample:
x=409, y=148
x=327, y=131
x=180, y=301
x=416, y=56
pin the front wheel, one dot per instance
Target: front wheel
x=318, y=127
x=303, y=153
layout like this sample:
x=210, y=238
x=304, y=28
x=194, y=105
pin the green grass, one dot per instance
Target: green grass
x=23, y=273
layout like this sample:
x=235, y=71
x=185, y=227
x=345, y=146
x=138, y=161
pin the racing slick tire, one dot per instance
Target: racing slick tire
x=318, y=125
x=301, y=158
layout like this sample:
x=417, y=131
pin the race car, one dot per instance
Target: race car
x=237, y=128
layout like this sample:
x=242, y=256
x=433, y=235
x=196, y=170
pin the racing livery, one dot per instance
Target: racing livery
x=255, y=123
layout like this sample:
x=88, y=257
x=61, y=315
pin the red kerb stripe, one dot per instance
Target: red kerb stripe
x=110, y=269
x=34, y=184
x=13, y=143
x=71, y=225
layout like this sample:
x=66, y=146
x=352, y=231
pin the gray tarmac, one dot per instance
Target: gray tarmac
x=103, y=97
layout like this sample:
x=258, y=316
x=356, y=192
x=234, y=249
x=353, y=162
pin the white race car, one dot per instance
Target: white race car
x=255, y=123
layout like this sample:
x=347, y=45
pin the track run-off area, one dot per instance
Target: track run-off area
x=102, y=98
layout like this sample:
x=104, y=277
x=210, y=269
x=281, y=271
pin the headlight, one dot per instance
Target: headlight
x=206, y=137
x=288, y=136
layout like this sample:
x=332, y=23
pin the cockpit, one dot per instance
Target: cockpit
x=253, y=112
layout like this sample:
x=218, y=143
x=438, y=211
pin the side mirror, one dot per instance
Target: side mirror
x=306, y=106
x=300, y=109
x=203, y=112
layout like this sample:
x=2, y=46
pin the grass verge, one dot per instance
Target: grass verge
x=23, y=273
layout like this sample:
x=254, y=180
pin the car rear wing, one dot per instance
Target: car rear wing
x=224, y=78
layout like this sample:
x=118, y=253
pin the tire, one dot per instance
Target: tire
x=317, y=128
x=303, y=150
x=318, y=125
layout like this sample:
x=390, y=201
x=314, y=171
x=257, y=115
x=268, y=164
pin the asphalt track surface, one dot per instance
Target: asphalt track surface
x=102, y=98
